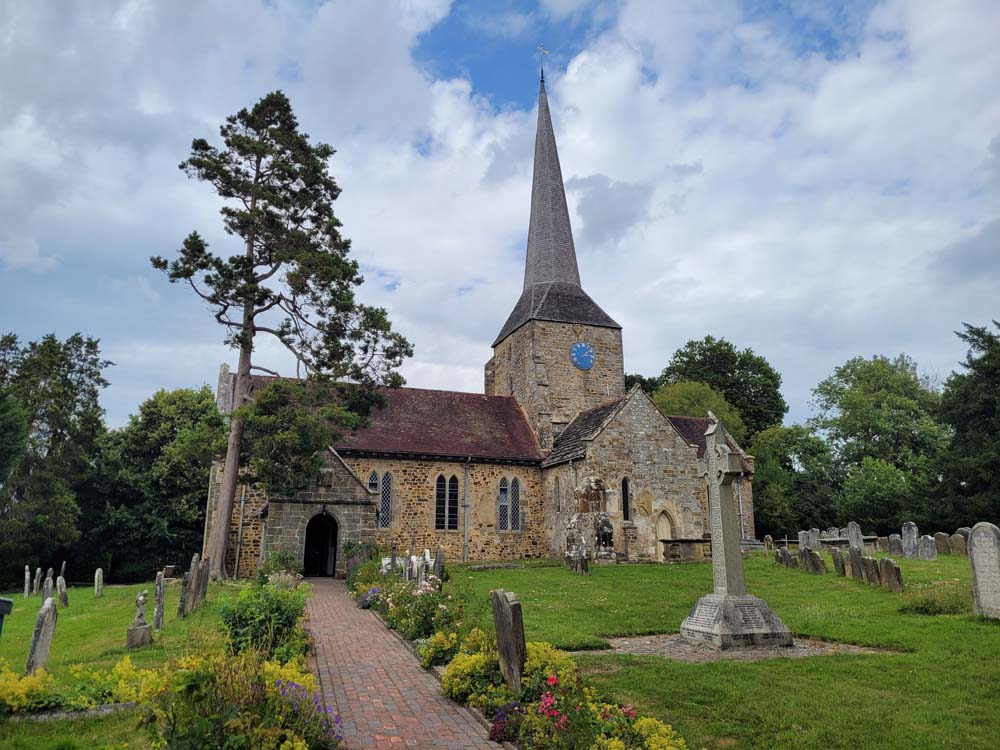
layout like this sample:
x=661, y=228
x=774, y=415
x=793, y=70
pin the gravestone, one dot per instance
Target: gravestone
x=729, y=616
x=203, y=578
x=958, y=545
x=185, y=582
x=890, y=575
x=882, y=543
x=439, y=563
x=158, y=602
x=509, y=626
x=871, y=571
x=843, y=533
x=99, y=582
x=392, y=559
x=141, y=632
x=984, y=556
x=838, y=561
x=41, y=637
x=48, y=587
x=895, y=544
x=191, y=602
x=62, y=569
x=61, y=591
x=803, y=539
x=964, y=531
x=27, y=581
x=768, y=542
x=833, y=533
x=36, y=586
x=168, y=571
x=6, y=607
x=823, y=534
x=857, y=567
x=814, y=542
x=926, y=550
x=942, y=543
x=816, y=563
x=854, y=535
x=911, y=536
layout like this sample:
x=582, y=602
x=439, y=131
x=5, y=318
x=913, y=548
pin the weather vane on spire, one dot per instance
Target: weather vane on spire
x=542, y=52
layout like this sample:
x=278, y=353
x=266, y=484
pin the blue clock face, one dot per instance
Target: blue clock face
x=582, y=355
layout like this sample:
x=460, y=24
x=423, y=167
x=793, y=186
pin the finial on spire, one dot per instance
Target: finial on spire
x=541, y=60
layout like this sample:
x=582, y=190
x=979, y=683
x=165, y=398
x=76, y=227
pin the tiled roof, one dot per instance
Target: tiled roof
x=418, y=421
x=692, y=429
x=570, y=443
x=558, y=301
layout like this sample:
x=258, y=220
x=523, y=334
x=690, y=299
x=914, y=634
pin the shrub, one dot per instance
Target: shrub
x=418, y=611
x=475, y=679
x=937, y=603
x=370, y=598
x=123, y=683
x=28, y=694
x=365, y=576
x=265, y=618
x=277, y=561
x=439, y=648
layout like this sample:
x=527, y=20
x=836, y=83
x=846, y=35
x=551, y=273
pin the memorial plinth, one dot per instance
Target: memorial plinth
x=729, y=617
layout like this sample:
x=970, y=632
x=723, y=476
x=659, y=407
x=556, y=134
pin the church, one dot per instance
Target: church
x=555, y=457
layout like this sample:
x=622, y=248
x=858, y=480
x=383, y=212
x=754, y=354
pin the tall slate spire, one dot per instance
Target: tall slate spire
x=552, y=288
x=551, y=253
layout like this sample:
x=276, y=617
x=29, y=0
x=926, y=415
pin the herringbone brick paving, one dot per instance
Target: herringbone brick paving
x=384, y=698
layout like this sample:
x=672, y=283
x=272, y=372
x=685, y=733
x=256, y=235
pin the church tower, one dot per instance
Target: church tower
x=558, y=353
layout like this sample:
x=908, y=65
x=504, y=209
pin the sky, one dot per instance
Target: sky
x=811, y=180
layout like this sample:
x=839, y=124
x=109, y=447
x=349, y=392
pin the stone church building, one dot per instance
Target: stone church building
x=554, y=454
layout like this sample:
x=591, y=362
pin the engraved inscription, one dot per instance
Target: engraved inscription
x=705, y=614
x=984, y=554
x=750, y=615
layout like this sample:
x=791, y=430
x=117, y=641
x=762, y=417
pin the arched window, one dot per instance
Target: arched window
x=385, y=502
x=515, y=504
x=373, y=483
x=626, y=501
x=503, y=507
x=453, y=503
x=440, y=503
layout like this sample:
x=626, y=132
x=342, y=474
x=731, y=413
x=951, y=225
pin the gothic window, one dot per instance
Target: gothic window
x=515, y=504
x=503, y=507
x=385, y=501
x=446, y=504
x=453, y=503
x=626, y=501
x=373, y=483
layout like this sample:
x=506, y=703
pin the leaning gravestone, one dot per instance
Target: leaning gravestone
x=984, y=556
x=36, y=585
x=942, y=543
x=61, y=591
x=193, y=585
x=958, y=545
x=871, y=571
x=185, y=583
x=509, y=624
x=41, y=638
x=141, y=632
x=48, y=587
x=964, y=531
x=890, y=575
x=202, y=581
x=6, y=607
x=27, y=581
x=158, y=602
x=439, y=563
x=857, y=567
x=838, y=561
x=816, y=563
x=854, y=535
x=926, y=550
x=99, y=582
x=895, y=544
x=882, y=543
x=911, y=535
x=729, y=616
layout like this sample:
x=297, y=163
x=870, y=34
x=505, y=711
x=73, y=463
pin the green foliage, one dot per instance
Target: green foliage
x=970, y=405
x=440, y=648
x=13, y=434
x=877, y=495
x=745, y=379
x=277, y=561
x=648, y=384
x=419, y=610
x=265, y=618
x=937, y=602
x=689, y=399
x=795, y=482
x=366, y=575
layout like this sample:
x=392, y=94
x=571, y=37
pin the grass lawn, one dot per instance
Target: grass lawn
x=92, y=632
x=941, y=690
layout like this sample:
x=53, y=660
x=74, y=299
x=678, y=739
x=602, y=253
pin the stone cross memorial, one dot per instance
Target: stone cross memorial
x=141, y=632
x=509, y=625
x=910, y=536
x=729, y=617
x=41, y=638
x=984, y=556
x=158, y=602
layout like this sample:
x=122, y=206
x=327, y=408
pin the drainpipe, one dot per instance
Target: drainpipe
x=465, y=513
x=239, y=534
x=739, y=496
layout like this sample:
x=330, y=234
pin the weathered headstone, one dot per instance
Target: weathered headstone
x=27, y=581
x=439, y=563
x=803, y=539
x=768, y=542
x=729, y=617
x=832, y=532
x=392, y=559
x=61, y=591
x=843, y=533
x=958, y=545
x=890, y=575
x=854, y=535
x=911, y=535
x=37, y=584
x=871, y=572
x=926, y=550
x=816, y=563
x=185, y=583
x=856, y=566
x=509, y=625
x=882, y=543
x=964, y=531
x=48, y=587
x=193, y=585
x=984, y=556
x=99, y=582
x=141, y=632
x=895, y=544
x=942, y=543
x=62, y=569
x=41, y=637
x=838, y=561
x=814, y=542
x=203, y=577
x=6, y=607
x=158, y=602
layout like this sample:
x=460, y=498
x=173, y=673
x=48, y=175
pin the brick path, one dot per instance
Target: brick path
x=384, y=698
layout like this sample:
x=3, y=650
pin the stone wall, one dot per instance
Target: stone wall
x=246, y=512
x=533, y=366
x=413, y=507
x=663, y=473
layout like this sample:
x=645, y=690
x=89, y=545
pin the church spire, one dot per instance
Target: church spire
x=551, y=254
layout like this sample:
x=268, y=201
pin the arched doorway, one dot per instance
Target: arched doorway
x=664, y=530
x=321, y=546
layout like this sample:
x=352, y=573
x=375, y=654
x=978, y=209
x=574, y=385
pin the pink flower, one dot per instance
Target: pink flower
x=628, y=711
x=553, y=681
